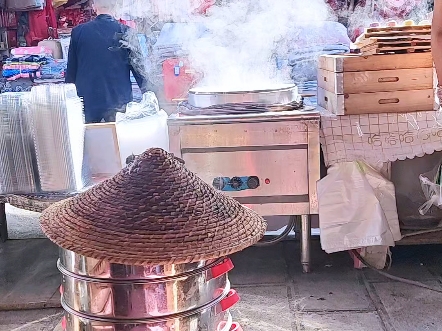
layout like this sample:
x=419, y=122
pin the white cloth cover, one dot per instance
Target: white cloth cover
x=357, y=208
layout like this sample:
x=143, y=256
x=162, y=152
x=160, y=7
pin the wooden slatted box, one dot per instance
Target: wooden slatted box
x=391, y=83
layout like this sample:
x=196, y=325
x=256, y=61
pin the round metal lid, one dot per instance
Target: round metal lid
x=261, y=89
x=205, y=97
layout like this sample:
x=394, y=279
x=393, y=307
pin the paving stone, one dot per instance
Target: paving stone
x=332, y=285
x=339, y=322
x=263, y=309
x=30, y=320
x=259, y=265
x=431, y=258
x=319, y=259
x=411, y=308
x=322, y=292
x=29, y=278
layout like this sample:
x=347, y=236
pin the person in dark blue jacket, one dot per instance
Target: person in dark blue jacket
x=100, y=66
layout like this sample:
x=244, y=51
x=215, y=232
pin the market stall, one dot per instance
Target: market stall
x=261, y=145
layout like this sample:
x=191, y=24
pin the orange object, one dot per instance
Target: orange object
x=178, y=78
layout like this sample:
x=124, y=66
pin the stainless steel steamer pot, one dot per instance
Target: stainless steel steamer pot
x=214, y=316
x=278, y=94
x=104, y=290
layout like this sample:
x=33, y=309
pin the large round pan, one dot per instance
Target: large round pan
x=281, y=95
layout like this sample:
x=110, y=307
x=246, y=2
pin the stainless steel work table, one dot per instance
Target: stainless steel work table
x=269, y=162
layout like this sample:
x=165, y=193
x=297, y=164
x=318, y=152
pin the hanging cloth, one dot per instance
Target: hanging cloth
x=40, y=23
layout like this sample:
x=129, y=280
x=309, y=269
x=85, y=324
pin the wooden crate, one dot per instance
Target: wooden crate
x=391, y=83
x=348, y=63
x=376, y=81
x=377, y=102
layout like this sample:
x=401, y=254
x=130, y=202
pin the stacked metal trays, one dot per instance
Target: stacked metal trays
x=98, y=295
x=56, y=119
x=17, y=161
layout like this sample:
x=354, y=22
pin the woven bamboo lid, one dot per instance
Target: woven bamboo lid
x=153, y=212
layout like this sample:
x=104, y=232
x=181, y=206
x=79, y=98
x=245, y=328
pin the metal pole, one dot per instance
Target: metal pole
x=306, y=234
x=3, y=223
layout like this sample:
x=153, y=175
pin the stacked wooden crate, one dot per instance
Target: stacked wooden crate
x=390, y=83
x=397, y=39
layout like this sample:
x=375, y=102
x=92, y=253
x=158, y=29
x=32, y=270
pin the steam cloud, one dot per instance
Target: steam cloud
x=243, y=39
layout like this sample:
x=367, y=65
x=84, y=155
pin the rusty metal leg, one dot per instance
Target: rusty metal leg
x=306, y=235
x=3, y=223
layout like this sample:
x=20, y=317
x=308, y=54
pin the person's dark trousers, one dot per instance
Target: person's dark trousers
x=107, y=117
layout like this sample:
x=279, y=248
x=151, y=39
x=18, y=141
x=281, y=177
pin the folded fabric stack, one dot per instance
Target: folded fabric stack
x=53, y=69
x=304, y=68
x=25, y=5
x=22, y=85
x=299, y=55
x=310, y=89
x=304, y=62
x=23, y=66
x=13, y=70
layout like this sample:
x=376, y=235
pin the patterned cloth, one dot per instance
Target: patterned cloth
x=20, y=85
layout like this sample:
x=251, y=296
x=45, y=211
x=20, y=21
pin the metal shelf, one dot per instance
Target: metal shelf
x=434, y=238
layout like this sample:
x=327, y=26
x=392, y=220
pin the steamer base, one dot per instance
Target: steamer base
x=269, y=162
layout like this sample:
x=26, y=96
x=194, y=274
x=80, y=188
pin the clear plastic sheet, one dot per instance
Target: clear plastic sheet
x=148, y=106
x=143, y=126
x=431, y=186
x=409, y=194
x=57, y=126
x=17, y=166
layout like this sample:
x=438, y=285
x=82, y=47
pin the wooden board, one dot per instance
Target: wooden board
x=102, y=149
x=397, y=50
x=401, y=38
x=403, y=43
x=397, y=34
x=375, y=103
x=348, y=63
x=386, y=45
x=407, y=28
x=376, y=81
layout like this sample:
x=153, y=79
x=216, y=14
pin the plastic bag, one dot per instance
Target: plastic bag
x=357, y=208
x=148, y=106
x=431, y=186
x=143, y=126
x=409, y=194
